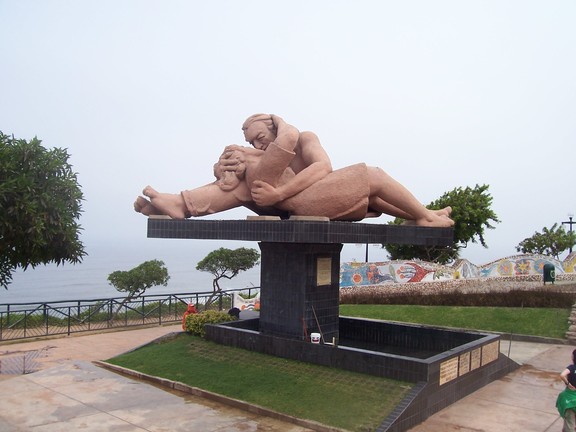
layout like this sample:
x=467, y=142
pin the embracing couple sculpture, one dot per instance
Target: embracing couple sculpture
x=288, y=173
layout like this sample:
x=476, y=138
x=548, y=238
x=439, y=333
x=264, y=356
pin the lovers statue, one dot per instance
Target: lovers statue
x=285, y=173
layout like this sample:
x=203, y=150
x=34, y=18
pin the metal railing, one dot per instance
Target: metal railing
x=31, y=320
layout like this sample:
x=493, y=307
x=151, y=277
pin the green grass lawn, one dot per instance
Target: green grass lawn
x=347, y=400
x=525, y=321
x=334, y=397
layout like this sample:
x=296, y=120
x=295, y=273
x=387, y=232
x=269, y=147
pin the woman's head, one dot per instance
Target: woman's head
x=229, y=176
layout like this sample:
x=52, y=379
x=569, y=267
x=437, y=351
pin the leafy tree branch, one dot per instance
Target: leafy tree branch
x=472, y=215
x=227, y=263
x=551, y=241
x=40, y=204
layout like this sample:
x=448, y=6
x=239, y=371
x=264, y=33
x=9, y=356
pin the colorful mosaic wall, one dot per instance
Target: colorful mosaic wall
x=380, y=273
x=520, y=266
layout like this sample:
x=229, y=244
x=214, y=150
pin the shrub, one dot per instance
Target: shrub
x=513, y=298
x=195, y=322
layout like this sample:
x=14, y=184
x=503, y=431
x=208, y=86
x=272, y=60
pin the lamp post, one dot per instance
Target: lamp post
x=570, y=223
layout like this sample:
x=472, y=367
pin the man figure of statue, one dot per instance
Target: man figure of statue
x=289, y=173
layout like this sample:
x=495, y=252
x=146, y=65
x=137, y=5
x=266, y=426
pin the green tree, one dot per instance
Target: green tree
x=135, y=282
x=227, y=263
x=40, y=203
x=551, y=242
x=472, y=214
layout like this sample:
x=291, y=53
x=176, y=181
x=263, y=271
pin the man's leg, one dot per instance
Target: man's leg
x=569, y=420
x=396, y=196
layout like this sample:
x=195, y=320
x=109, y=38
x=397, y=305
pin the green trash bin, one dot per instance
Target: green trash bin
x=549, y=273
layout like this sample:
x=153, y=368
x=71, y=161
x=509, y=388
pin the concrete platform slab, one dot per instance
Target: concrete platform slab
x=67, y=394
x=70, y=393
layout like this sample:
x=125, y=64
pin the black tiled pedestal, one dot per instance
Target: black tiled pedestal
x=300, y=265
x=300, y=294
x=299, y=289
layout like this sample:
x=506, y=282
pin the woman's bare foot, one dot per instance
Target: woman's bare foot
x=165, y=204
x=142, y=205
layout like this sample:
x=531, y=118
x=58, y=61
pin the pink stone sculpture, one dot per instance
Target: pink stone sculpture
x=288, y=173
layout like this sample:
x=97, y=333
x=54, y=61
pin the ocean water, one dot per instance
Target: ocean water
x=88, y=280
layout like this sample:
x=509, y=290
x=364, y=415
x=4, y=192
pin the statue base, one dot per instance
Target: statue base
x=299, y=292
x=300, y=265
x=300, y=295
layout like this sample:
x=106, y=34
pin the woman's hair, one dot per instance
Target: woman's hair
x=574, y=357
x=228, y=180
x=265, y=118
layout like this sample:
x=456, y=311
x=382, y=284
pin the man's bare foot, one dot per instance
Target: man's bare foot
x=433, y=219
x=443, y=214
x=166, y=204
x=446, y=211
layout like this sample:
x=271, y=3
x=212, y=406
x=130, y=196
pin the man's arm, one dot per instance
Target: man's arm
x=287, y=136
x=311, y=164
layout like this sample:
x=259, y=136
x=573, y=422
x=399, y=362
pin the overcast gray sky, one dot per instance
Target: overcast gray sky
x=438, y=93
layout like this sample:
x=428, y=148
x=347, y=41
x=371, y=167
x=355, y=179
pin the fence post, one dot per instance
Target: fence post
x=109, y=313
x=45, y=313
x=69, y=316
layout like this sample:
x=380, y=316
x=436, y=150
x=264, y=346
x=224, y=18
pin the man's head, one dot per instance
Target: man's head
x=259, y=130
